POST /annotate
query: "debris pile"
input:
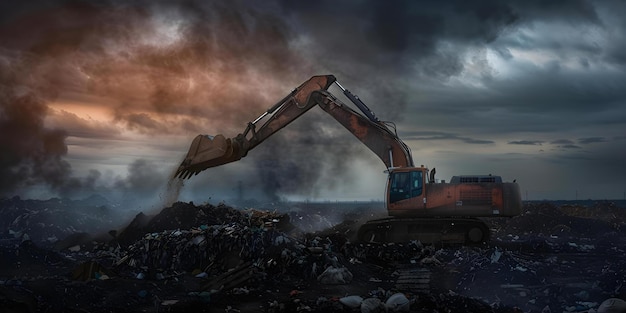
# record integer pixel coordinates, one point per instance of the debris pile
(547, 220)
(50, 221)
(534, 280)
(208, 251)
(187, 215)
(203, 257)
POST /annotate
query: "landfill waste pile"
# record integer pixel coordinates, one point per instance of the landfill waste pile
(206, 258)
(56, 222)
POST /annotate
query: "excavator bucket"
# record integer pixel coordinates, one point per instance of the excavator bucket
(209, 151)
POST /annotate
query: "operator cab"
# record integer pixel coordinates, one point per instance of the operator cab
(406, 184)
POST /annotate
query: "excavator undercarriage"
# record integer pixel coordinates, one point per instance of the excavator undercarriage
(451, 230)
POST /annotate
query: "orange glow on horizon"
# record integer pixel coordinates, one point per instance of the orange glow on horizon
(84, 111)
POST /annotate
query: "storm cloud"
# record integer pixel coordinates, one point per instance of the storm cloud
(526, 142)
(156, 68)
(92, 88)
(431, 135)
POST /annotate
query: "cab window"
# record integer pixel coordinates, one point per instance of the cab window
(405, 185)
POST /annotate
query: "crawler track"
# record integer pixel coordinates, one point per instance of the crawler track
(469, 231)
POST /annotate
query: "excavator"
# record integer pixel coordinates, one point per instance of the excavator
(419, 207)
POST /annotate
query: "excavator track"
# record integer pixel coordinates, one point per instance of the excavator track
(467, 231)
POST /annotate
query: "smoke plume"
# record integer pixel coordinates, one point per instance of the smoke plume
(32, 154)
(161, 68)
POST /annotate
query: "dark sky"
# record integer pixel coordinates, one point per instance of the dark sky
(105, 96)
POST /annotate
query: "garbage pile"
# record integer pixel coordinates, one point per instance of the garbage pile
(206, 258)
(187, 215)
(49, 221)
(211, 249)
(564, 258)
(533, 281)
(546, 220)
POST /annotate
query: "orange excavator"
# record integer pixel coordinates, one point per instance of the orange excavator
(419, 207)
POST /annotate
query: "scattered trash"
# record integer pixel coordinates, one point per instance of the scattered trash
(90, 270)
(612, 305)
(543, 261)
(398, 302)
(204, 295)
(371, 305)
(335, 276)
(202, 275)
(294, 293)
(495, 256)
(240, 291)
(352, 302)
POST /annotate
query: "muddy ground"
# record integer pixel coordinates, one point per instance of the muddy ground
(206, 258)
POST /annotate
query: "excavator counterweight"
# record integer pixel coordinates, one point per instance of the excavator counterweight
(420, 208)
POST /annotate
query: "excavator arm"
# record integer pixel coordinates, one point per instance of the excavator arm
(381, 140)
(210, 151)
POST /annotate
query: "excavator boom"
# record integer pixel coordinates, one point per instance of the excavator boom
(210, 151)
